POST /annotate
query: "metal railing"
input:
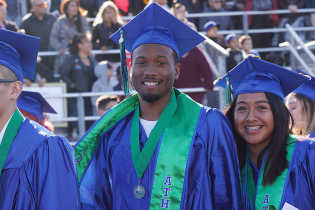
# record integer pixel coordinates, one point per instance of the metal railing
(291, 46)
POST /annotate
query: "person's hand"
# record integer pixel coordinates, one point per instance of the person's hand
(27, 82)
(72, 86)
(42, 82)
(62, 51)
(104, 48)
(293, 8)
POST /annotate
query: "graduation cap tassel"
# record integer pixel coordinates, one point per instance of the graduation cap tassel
(123, 65)
(228, 91)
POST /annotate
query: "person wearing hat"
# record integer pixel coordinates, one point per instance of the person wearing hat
(211, 28)
(277, 169)
(37, 169)
(301, 104)
(32, 105)
(158, 148)
(235, 55)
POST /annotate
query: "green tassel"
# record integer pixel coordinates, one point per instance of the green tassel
(123, 65)
(228, 91)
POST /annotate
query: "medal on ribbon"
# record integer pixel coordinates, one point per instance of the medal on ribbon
(142, 159)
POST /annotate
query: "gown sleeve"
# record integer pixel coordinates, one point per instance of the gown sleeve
(223, 166)
(48, 178)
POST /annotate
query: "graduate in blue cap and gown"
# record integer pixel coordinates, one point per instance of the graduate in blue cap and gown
(277, 169)
(301, 104)
(33, 105)
(37, 168)
(158, 149)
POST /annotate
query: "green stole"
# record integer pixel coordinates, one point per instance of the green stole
(9, 135)
(268, 197)
(172, 159)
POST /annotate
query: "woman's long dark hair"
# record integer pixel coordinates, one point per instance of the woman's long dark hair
(74, 49)
(276, 158)
(63, 8)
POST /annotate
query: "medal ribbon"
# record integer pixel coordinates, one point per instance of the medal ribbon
(269, 195)
(142, 159)
(9, 135)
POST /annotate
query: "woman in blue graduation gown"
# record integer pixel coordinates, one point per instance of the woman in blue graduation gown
(301, 104)
(277, 169)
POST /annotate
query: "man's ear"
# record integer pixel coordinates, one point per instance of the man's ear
(177, 70)
(16, 89)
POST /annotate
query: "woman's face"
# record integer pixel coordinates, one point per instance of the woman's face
(253, 118)
(296, 109)
(72, 9)
(109, 15)
(85, 46)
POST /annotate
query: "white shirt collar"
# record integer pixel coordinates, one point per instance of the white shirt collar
(3, 129)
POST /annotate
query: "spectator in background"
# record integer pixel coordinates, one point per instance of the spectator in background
(106, 23)
(192, 6)
(246, 44)
(294, 19)
(211, 28)
(68, 25)
(212, 54)
(91, 6)
(216, 6)
(179, 11)
(262, 40)
(5, 24)
(77, 72)
(123, 6)
(43, 74)
(39, 23)
(235, 55)
(105, 103)
(103, 72)
(135, 7)
(162, 3)
(235, 5)
(195, 72)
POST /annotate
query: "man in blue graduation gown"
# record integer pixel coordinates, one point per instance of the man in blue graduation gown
(37, 168)
(158, 149)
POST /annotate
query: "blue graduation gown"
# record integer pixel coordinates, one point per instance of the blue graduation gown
(39, 172)
(212, 179)
(312, 135)
(299, 187)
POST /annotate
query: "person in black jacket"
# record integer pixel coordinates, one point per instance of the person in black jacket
(107, 22)
(39, 23)
(77, 72)
(5, 24)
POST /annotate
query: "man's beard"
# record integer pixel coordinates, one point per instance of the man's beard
(150, 97)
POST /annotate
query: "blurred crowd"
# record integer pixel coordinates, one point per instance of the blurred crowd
(63, 26)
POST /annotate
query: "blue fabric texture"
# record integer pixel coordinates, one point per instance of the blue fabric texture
(254, 75)
(154, 25)
(308, 88)
(34, 103)
(19, 52)
(39, 172)
(299, 188)
(212, 180)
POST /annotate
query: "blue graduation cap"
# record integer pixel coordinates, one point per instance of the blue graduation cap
(19, 52)
(210, 25)
(254, 75)
(35, 104)
(154, 25)
(229, 37)
(308, 88)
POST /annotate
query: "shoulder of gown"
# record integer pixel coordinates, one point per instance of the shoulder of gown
(39, 171)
